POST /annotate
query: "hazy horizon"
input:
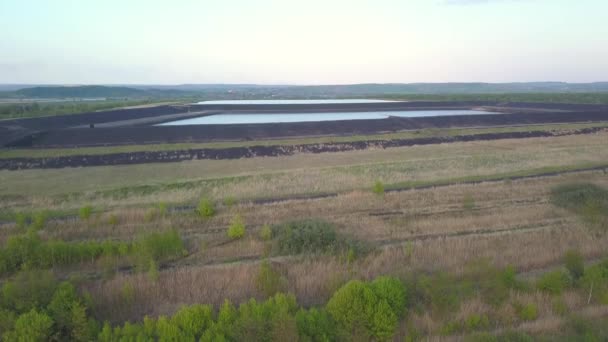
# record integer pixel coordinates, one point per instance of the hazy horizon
(302, 43)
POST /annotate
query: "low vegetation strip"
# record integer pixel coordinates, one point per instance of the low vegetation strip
(260, 151)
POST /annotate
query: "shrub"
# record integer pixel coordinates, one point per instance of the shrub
(113, 220)
(266, 233)
(553, 282)
(392, 291)
(352, 306)
(39, 220)
(358, 310)
(28, 290)
(441, 292)
(162, 209)
(22, 220)
(236, 230)
(193, 320)
(574, 264)
(32, 326)
(69, 314)
(153, 270)
(493, 283)
(378, 188)
(476, 322)
(85, 212)
(268, 281)
(229, 201)
(559, 306)
(468, 202)
(158, 247)
(303, 236)
(127, 293)
(528, 312)
(315, 325)
(589, 201)
(205, 208)
(595, 282)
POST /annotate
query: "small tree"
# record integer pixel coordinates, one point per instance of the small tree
(85, 212)
(269, 281)
(378, 188)
(206, 208)
(574, 264)
(31, 326)
(229, 201)
(162, 209)
(266, 233)
(468, 203)
(236, 230)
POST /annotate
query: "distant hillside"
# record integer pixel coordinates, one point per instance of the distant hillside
(80, 92)
(252, 91)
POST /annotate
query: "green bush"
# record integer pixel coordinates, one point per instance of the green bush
(553, 282)
(30, 251)
(315, 325)
(266, 233)
(528, 312)
(32, 326)
(113, 220)
(359, 311)
(476, 322)
(305, 236)
(85, 212)
(158, 247)
(595, 282)
(229, 201)
(378, 188)
(39, 220)
(468, 202)
(392, 291)
(589, 201)
(559, 306)
(206, 208)
(494, 284)
(269, 281)
(69, 314)
(28, 290)
(162, 209)
(22, 220)
(574, 264)
(236, 230)
(193, 320)
(441, 292)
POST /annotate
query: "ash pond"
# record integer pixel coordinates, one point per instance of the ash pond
(265, 118)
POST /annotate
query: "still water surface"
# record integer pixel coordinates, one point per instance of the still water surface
(255, 102)
(253, 118)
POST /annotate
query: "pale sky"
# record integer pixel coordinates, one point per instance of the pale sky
(302, 42)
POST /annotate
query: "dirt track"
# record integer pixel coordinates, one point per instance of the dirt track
(254, 151)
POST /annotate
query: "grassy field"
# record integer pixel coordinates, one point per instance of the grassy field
(476, 259)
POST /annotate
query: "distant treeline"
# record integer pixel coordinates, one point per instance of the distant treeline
(35, 109)
(579, 98)
(250, 91)
(122, 96)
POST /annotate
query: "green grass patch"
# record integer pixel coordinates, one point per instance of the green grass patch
(589, 201)
(313, 236)
(547, 170)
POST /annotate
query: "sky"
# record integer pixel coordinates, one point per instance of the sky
(302, 42)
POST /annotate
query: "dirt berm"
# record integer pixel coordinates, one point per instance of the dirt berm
(255, 151)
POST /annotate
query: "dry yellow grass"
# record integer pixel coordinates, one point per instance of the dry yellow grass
(305, 173)
(426, 230)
